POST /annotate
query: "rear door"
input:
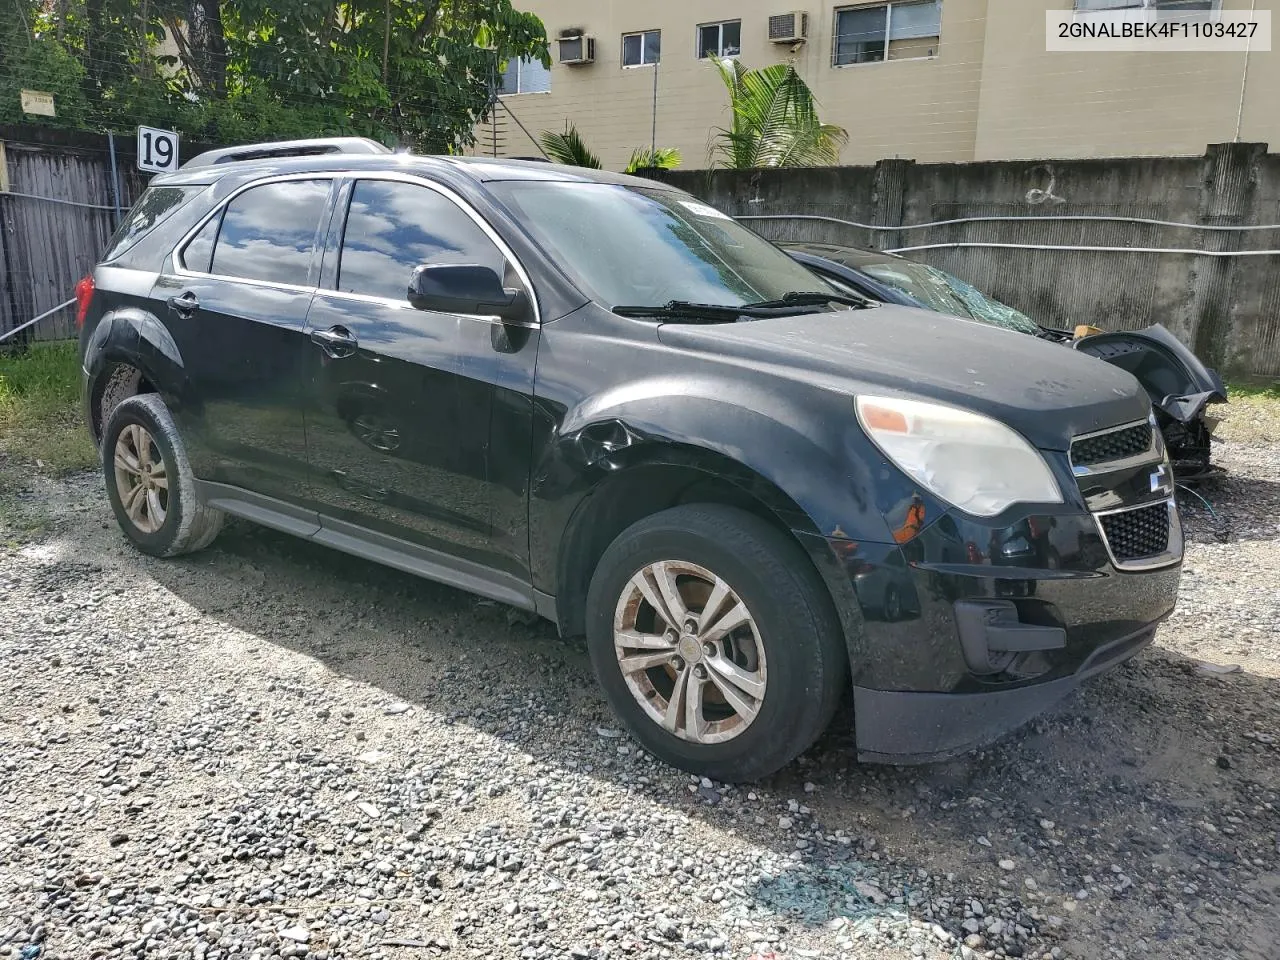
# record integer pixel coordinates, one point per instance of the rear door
(402, 401)
(236, 303)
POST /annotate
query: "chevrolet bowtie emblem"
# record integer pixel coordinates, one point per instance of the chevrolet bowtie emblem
(1161, 481)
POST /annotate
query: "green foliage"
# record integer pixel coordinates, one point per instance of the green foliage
(37, 62)
(1254, 391)
(775, 121)
(569, 148)
(644, 158)
(40, 417)
(407, 72)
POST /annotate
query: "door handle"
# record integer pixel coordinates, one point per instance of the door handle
(185, 306)
(337, 342)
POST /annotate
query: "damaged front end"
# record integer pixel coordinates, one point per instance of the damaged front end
(1180, 386)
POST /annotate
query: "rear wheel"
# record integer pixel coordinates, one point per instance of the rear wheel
(715, 641)
(149, 481)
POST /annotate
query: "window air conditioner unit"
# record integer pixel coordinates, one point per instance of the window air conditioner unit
(576, 47)
(790, 27)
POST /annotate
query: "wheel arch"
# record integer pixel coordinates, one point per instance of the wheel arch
(659, 475)
(129, 353)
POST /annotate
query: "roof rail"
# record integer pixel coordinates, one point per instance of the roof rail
(286, 148)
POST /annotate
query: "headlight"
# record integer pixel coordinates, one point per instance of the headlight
(971, 461)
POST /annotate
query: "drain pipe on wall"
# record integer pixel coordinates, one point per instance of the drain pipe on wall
(1244, 76)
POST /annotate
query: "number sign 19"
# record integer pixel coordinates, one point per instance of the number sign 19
(157, 150)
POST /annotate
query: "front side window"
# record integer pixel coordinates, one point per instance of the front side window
(269, 232)
(641, 49)
(644, 247)
(720, 39)
(887, 31)
(394, 227)
(524, 75)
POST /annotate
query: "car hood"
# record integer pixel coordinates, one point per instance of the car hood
(1046, 392)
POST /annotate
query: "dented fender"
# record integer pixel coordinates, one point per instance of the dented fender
(819, 459)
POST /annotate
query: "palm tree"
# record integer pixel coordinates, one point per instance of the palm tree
(775, 120)
(663, 158)
(569, 148)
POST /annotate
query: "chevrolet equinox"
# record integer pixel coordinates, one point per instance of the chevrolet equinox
(599, 399)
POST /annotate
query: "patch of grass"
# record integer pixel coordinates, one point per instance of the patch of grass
(1254, 391)
(40, 419)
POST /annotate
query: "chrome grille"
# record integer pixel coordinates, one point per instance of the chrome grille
(1113, 445)
(1137, 534)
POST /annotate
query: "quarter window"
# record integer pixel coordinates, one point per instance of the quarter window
(721, 39)
(394, 227)
(641, 49)
(269, 232)
(150, 211)
(887, 31)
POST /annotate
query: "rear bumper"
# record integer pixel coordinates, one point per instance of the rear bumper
(906, 727)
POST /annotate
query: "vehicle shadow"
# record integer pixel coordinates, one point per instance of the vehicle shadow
(1111, 789)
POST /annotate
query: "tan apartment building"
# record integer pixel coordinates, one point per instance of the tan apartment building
(930, 80)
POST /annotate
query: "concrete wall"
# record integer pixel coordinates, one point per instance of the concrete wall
(990, 92)
(1226, 308)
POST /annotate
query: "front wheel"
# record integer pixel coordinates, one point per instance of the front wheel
(715, 641)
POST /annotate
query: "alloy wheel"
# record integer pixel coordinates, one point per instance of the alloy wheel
(690, 652)
(141, 479)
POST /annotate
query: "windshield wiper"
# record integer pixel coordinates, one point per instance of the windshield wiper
(709, 312)
(814, 298)
(788, 306)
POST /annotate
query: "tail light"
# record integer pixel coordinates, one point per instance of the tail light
(84, 296)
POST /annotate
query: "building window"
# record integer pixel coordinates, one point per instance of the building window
(887, 31)
(721, 39)
(641, 49)
(1173, 6)
(525, 76)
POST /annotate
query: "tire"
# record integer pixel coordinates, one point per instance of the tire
(166, 521)
(790, 649)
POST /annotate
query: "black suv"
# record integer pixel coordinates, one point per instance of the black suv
(597, 398)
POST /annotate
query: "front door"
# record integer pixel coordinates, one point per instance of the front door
(402, 400)
(236, 306)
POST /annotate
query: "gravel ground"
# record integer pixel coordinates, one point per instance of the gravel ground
(269, 749)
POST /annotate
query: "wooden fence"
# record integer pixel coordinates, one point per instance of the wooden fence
(59, 204)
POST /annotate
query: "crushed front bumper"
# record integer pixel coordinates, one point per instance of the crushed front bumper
(911, 727)
(971, 629)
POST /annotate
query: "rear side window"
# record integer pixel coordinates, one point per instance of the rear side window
(269, 233)
(155, 206)
(394, 227)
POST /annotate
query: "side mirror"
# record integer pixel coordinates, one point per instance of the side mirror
(465, 289)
